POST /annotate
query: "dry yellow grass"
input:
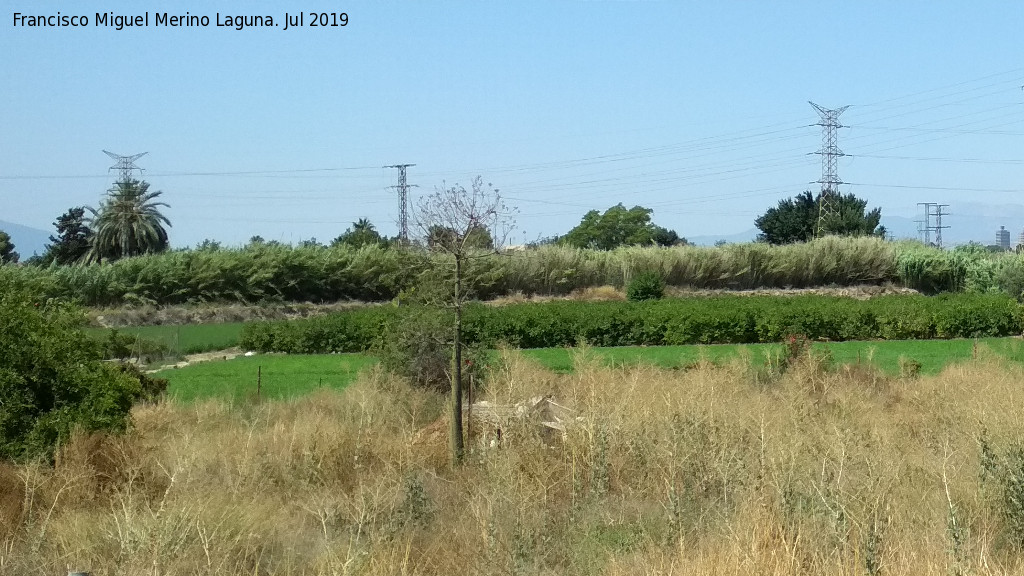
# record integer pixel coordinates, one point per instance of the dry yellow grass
(703, 471)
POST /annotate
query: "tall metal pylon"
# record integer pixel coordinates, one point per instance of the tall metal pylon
(125, 165)
(925, 227)
(938, 223)
(403, 202)
(828, 204)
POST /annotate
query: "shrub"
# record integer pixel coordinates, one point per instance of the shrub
(1008, 472)
(645, 286)
(119, 346)
(52, 377)
(1010, 277)
(909, 368)
(418, 346)
(152, 388)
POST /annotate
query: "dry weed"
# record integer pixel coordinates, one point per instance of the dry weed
(704, 471)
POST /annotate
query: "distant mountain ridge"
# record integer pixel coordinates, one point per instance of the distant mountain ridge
(27, 240)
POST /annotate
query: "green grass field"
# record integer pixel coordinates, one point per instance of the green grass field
(183, 339)
(932, 354)
(280, 376)
(293, 375)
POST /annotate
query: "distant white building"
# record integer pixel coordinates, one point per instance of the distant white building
(1003, 238)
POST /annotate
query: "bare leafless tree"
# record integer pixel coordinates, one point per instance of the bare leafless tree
(453, 221)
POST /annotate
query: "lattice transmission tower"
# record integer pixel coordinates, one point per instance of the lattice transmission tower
(932, 222)
(403, 202)
(828, 203)
(125, 165)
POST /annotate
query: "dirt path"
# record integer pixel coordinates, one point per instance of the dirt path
(228, 354)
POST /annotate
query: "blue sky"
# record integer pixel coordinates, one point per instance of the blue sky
(697, 110)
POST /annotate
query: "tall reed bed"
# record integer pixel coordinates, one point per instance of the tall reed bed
(318, 274)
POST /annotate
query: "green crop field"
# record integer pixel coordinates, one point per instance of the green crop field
(285, 376)
(279, 376)
(884, 354)
(183, 339)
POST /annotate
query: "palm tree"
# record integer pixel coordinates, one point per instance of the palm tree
(128, 223)
(360, 233)
(363, 225)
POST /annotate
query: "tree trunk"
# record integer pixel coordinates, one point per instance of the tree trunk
(455, 440)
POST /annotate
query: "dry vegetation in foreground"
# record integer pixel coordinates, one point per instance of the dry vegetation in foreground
(710, 470)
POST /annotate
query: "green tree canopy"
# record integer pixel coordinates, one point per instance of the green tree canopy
(360, 233)
(128, 223)
(478, 238)
(72, 241)
(52, 377)
(208, 245)
(795, 219)
(7, 253)
(619, 227)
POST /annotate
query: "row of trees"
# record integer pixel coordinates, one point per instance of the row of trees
(792, 220)
(127, 222)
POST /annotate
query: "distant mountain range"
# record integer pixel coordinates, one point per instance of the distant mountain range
(27, 241)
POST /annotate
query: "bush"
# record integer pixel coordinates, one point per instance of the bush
(418, 346)
(645, 286)
(119, 346)
(52, 377)
(1010, 277)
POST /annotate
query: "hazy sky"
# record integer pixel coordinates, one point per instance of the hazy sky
(695, 109)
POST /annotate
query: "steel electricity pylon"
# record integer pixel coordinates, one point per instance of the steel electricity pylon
(403, 202)
(828, 202)
(125, 165)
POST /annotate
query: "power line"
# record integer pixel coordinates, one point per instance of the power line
(175, 174)
(944, 188)
(936, 159)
